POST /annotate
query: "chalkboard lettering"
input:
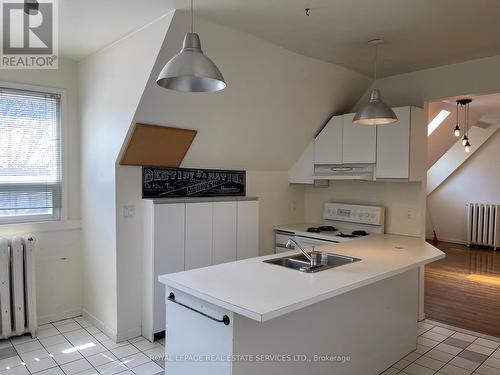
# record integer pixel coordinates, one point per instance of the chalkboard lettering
(184, 182)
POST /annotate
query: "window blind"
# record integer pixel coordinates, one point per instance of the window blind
(30, 154)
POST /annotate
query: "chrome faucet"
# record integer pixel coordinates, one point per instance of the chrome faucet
(289, 245)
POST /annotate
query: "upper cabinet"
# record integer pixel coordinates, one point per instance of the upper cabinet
(303, 170)
(328, 143)
(359, 142)
(402, 146)
(342, 142)
(395, 151)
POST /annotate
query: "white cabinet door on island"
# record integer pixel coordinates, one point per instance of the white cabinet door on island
(250, 317)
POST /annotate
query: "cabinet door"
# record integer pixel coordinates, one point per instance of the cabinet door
(328, 143)
(198, 235)
(303, 169)
(393, 147)
(168, 253)
(247, 230)
(224, 232)
(359, 142)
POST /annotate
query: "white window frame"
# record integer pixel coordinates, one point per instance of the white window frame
(59, 214)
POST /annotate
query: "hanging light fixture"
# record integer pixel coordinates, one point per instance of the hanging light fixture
(465, 139)
(191, 70)
(375, 112)
(456, 131)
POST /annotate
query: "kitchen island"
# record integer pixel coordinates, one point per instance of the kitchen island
(251, 317)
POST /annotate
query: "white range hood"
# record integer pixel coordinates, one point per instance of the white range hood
(363, 172)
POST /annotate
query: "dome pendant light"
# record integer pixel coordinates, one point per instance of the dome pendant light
(456, 131)
(375, 112)
(191, 70)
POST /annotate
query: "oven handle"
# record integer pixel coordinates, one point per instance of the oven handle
(314, 241)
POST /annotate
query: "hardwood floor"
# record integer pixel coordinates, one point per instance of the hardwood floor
(464, 288)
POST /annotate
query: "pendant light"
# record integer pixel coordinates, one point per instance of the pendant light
(375, 112)
(456, 131)
(191, 70)
(465, 139)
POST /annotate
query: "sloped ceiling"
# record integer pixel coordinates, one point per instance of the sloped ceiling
(420, 34)
(274, 103)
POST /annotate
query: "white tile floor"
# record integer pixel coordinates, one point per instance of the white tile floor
(75, 346)
(443, 349)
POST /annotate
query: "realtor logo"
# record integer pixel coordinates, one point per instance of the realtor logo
(29, 34)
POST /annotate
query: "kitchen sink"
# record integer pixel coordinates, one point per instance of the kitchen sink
(321, 261)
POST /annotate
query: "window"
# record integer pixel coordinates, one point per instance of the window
(436, 121)
(30, 156)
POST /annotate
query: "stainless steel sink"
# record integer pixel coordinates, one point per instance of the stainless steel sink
(321, 261)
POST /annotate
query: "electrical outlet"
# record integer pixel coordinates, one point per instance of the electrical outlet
(128, 211)
(410, 213)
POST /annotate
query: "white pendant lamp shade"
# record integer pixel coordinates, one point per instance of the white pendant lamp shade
(375, 112)
(191, 70)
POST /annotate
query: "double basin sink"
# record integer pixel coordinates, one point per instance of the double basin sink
(321, 261)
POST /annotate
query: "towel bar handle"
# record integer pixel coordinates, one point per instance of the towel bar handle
(225, 318)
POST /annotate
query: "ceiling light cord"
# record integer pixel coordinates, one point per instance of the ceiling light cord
(192, 17)
(375, 65)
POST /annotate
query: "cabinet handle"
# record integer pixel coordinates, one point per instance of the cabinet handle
(225, 318)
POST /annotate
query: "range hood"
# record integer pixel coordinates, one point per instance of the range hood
(363, 172)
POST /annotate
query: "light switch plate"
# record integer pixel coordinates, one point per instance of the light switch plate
(128, 211)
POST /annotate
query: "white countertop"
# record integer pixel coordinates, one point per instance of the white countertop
(262, 291)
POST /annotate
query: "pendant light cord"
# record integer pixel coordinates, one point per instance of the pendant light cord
(192, 18)
(375, 65)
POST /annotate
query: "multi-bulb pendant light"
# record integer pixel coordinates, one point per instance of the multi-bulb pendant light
(191, 70)
(375, 112)
(465, 139)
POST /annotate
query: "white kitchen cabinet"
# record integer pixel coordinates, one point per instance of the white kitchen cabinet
(328, 143)
(342, 142)
(183, 235)
(303, 169)
(165, 254)
(402, 146)
(359, 142)
(198, 247)
(247, 230)
(224, 232)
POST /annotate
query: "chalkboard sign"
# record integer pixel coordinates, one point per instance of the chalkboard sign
(184, 182)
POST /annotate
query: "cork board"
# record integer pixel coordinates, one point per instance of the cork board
(157, 146)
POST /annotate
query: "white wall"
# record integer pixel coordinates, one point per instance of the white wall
(111, 83)
(477, 180)
(397, 197)
(274, 103)
(57, 249)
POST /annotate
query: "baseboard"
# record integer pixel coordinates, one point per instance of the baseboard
(59, 316)
(111, 333)
(129, 334)
(451, 240)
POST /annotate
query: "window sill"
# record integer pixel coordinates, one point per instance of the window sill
(42, 226)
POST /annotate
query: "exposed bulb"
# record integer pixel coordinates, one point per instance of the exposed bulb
(465, 139)
(467, 147)
(456, 131)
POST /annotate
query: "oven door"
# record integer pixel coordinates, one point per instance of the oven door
(308, 242)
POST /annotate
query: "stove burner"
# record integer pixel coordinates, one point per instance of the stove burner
(347, 235)
(327, 228)
(313, 230)
(360, 233)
